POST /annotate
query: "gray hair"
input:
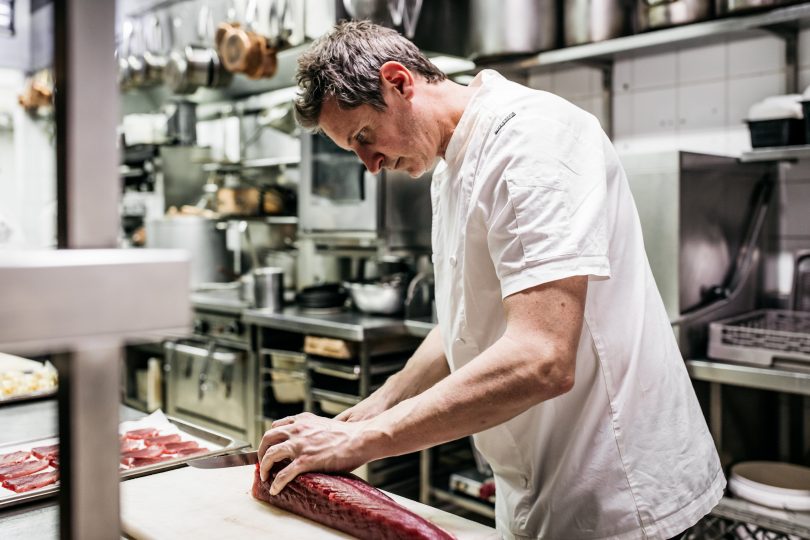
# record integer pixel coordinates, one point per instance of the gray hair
(345, 64)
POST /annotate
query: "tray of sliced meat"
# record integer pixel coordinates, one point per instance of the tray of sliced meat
(29, 470)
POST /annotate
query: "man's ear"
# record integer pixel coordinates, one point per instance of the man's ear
(396, 77)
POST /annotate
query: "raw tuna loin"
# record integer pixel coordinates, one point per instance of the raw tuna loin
(347, 503)
(34, 481)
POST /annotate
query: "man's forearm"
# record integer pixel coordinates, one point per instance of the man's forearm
(499, 384)
(425, 368)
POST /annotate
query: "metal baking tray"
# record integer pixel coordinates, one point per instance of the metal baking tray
(31, 396)
(227, 443)
(759, 337)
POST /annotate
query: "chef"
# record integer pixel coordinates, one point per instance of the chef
(553, 346)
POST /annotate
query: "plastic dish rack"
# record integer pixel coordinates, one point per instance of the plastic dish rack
(760, 336)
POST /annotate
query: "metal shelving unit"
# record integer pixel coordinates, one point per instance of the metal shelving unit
(773, 21)
(778, 153)
(736, 512)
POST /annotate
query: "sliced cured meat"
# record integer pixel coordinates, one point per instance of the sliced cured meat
(144, 433)
(143, 462)
(174, 447)
(31, 482)
(44, 452)
(54, 462)
(129, 445)
(22, 469)
(185, 452)
(348, 504)
(162, 439)
(148, 452)
(14, 457)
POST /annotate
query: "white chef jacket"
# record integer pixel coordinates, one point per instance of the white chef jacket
(531, 191)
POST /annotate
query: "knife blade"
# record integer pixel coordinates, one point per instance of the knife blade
(228, 460)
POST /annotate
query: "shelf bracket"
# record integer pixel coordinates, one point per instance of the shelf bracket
(789, 33)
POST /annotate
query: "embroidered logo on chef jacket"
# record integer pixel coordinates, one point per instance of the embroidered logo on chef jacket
(504, 121)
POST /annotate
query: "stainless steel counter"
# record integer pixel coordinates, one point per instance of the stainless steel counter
(420, 327)
(348, 325)
(221, 301)
(28, 421)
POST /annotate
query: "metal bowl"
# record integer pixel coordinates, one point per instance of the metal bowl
(383, 298)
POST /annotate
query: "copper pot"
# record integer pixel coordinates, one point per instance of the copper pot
(243, 51)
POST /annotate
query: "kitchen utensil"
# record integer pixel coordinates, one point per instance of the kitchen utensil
(228, 460)
(512, 27)
(661, 13)
(761, 336)
(154, 55)
(182, 123)
(778, 485)
(203, 238)
(587, 21)
(211, 504)
(801, 281)
(269, 288)
(384, 297)
(324, 296)
(196, 65)
(245, 51)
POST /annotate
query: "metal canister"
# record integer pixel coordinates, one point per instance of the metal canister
(268, 292)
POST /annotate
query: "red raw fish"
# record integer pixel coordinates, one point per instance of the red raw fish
(14, 457)
(162, 440)
(347, 503)
(174, 447)
(142, 462)
(144, 433)
(31, 482)
(22, 469)
(148, 452)
(44, 452)
(183, 452)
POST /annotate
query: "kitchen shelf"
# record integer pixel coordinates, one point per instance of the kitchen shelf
(777, 153)
(607, 50)
(777, 379)
(260, 163)
(783, 521)
(463, 502)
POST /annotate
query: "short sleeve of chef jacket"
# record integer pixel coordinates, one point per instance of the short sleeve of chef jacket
(544, 199)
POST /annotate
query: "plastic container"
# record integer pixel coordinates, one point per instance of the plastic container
(777, 121)
(778, 485)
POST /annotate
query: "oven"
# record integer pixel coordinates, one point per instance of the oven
(211, 375)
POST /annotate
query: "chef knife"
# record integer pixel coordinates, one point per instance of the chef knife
(228, 460)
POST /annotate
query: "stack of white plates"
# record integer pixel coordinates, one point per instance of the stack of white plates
(774, 484)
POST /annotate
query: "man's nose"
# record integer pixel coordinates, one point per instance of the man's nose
(372, 160)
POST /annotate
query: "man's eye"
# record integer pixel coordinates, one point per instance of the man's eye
(361, 138)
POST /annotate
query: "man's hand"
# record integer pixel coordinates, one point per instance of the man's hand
(366, 409)
(313, 443)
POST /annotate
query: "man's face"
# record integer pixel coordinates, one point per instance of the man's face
(395, 138)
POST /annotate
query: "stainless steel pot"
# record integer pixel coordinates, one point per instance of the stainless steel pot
(203, 238)
(385, 297)
(661, 13)
(512, 27)
(587, 21)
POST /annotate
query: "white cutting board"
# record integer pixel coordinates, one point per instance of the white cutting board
(217, 504)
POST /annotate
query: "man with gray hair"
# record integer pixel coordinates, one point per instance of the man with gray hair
(553, 347)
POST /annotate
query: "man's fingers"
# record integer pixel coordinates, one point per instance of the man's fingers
(272, 436)
(287, 420)
(285, 476)
(273, 455)
(345, 415)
